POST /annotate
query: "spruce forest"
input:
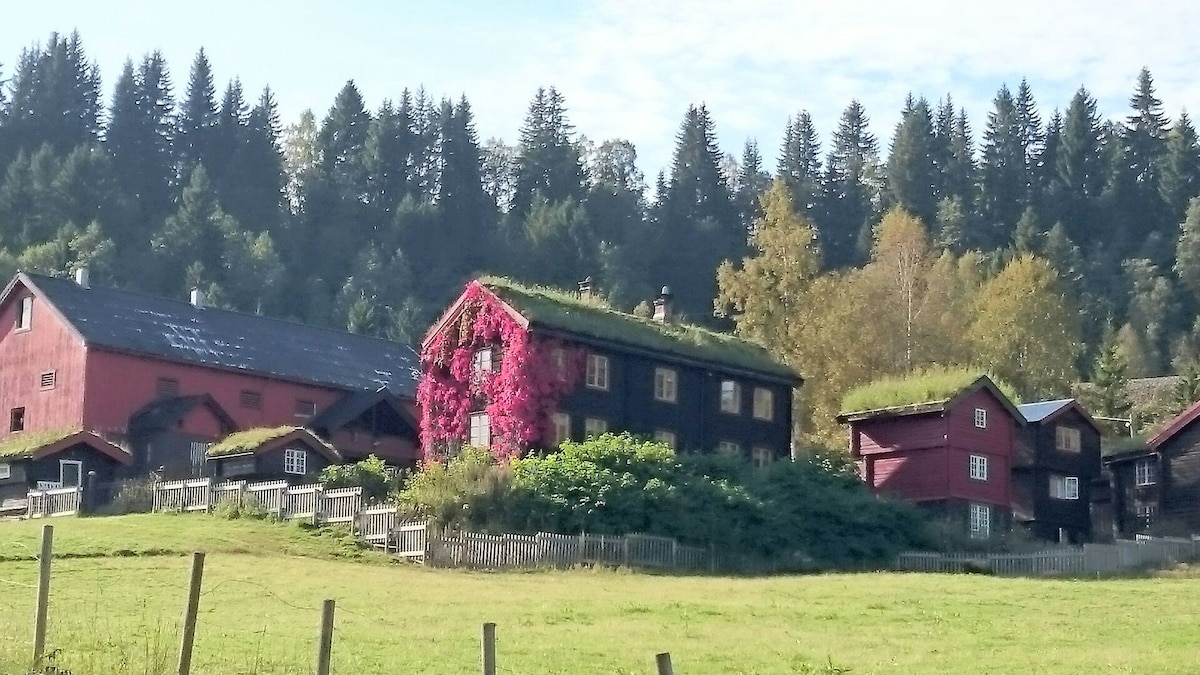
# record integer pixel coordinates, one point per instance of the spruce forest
(1057, 244)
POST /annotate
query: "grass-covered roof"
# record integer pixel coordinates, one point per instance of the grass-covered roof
(931, 385)
(24, 444)
(594, 318)
(248, 440)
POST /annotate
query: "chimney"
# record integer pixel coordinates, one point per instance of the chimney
(585, 288)
(663, 312)
(197, 298)
(82, 278)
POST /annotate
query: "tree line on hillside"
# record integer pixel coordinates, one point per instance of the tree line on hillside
(370, 219)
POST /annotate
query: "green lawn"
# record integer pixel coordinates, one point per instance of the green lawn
(264, 585)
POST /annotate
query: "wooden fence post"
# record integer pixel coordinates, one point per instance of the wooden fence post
(663, 661)
(189, 614)
(43, 596)
(325, 644)
(489, 649)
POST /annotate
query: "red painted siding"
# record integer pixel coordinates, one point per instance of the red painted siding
(900, 434)
(48, 345)
(201, 421)
(917, 476)
(119, 384)
(994, 442)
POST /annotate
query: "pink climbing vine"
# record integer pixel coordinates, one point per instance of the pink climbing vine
(520, 393)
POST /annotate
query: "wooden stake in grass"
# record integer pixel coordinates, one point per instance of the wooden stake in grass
(43, 596)
(189, 614)
(489, 649)
(663, 661)
(325, 644)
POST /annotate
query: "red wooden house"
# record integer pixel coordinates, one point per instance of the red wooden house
(953, 455)
(165, 378)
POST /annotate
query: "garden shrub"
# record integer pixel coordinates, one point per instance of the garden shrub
(371, 474)
(134, 495)
(464, 491)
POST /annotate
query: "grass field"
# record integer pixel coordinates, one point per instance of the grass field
(116, 603)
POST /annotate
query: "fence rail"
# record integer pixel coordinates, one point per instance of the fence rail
(1120, 556)
(290, 502)
(63, 501)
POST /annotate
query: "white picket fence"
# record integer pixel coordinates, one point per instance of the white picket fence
(545, 549)
(313, 503)
(1086, 559)
(63, 501)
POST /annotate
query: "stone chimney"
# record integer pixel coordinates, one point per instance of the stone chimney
(197, 298)
(586, 289)
(82, 278)
(663, 311)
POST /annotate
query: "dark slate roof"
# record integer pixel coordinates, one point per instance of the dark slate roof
(354, 404)
(175, 330)
(1040, 410)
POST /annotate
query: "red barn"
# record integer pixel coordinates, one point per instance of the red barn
(165, 378)
(953, 455)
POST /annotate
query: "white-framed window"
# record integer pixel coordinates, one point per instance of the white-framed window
(597, 372)
(731, 397)
(1145, 471)
(980, 418)
(666, 385)
(481, 361)
(5, 471)
(666, 437)
(764, 404)
(25, 313)
(1064, 487)
(762, 457)
(729, 448)
(295, 461)
(480, 434)
(1146, 512)
(1067, 439)
(48, 379)
(562, 428)
(70, 472)
(979, 467)
(981, 521)
(594, 426)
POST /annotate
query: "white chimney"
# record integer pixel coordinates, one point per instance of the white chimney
(81, 278)
(197, 298)
(663, 312)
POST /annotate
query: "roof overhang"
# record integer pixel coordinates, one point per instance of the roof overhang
(298, 435)
(87, 438)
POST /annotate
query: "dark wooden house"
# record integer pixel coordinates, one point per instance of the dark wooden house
(1156, 488)
(294, 454)
(1056, 465)
(953, 456)
(52, 459)
(517, 368)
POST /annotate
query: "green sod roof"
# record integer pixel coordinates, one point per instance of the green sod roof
(248, 440)
(24, 444)
(934, 385)
(559, 310)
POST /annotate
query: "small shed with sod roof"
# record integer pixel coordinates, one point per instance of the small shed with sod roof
(277, 453)
(59, 458)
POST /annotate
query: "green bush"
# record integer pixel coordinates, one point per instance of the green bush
(371, 474)
(134, 495)
(464, 492)
(248, 507)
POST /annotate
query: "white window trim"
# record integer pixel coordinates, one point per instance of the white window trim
(729, 448)
(762, 457)
(25, 313)
(666, 385)
(735, 399)
(1064, 488)
(62, 474)
(767, 414)
(295, 461)
(483, 424)
(5, 471)
(561, 424)
(1061, 433)
(979, 468)
(595, 426)
(597, 372)
(481, 361)
(981, 521)
(668, 437)
(1145, 472)
(980, 418)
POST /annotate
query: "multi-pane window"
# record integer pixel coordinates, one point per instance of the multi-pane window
(979, 466)
(666, 385)
(980, 418)
(1146, 513)
(25, 313)
(981, 521)
(295, 461)
(48, 379)
(166, 387)
(594, 426)
(480, 433)
(729, 448)
(1145, 472)
(665, 437)
(250, 399)
(762, 456)
(597, 371)
(305, 409)
(764, 404)
(1064, 487)
(5, 471)
(481, 362)
(562, 428)
(16, 419)
(731, 397)
(1067, 439)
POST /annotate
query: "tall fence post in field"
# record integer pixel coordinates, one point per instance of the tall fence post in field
(325, 644)
(43, 596)
(663, 661)
(489, 649)
(189, 615)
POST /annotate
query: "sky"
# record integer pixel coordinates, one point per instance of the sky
(630, 68)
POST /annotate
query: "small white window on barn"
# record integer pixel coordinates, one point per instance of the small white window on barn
(25, 313)
(594, 426)
(1064, 487)
(666, 385)
(48, 379)
(1067, 439)
(295, 461)
(764, 404)
(979, 467)
(980, 418)
(481, 362)
(1145, 472)
(562, 429)
(731, 397)
(981, 521)
(5, 471)
(597, 372)
(665, 437)
(762, 457)
(480, 433)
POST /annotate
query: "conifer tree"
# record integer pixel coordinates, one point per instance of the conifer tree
(800, 162)
(1181, 168)
(1001, 173)
(197, 117)
(912, 164)
(54, 98)
(1145, 136)
(852, 188)
(752, 179)
(548, 161)
(1109, 376)
(1079, 172)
